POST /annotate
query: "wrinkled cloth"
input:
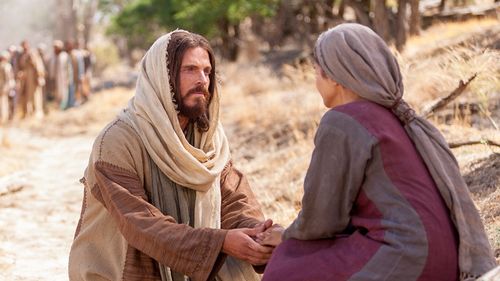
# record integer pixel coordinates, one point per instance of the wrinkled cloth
(370, 209)
(195, 164)
(357, 58)
(121, 235)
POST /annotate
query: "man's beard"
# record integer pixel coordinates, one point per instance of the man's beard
(193, 112)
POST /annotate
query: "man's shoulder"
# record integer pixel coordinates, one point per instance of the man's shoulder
(118, 146)
(115, 129)
(116, 138)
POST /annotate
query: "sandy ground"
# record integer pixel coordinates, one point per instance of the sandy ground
(37, 223)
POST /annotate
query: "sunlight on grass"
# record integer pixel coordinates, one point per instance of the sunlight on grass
(444, 31)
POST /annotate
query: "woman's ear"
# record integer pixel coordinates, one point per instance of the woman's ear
(323, 74)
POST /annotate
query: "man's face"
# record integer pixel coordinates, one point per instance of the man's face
(25, 46)
(194, 81)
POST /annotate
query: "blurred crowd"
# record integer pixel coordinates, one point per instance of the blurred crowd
(32, 81)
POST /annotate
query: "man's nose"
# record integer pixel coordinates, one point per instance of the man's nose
(203, 78)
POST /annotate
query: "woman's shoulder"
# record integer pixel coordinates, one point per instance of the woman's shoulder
(343, 125)
(343, 117)
(371, 116)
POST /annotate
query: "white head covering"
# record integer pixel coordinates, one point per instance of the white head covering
(152, 114)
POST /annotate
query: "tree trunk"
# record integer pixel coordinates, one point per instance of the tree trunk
(314, 14)
(235, 50)
(66, 21)
(442, 5)
(229, 38)
(361, 11)
(327, 6)
(380, 20)
(90, 11)
(314, 21)
(401, 25)
(414, 18)
(73, 21)
(341, 9)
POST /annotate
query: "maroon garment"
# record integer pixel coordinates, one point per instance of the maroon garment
(371, 210)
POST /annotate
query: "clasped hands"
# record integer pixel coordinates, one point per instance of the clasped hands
(253, 245)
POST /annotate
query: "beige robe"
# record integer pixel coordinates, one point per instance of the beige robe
(31, 79)
(7, 83)
(77, 63)
(61, 73)
(120, 233)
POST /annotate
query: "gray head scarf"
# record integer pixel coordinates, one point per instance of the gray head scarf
(357, 58)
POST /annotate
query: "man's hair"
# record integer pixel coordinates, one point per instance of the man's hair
(179, 43)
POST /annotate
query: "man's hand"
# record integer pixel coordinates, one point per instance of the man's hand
(239, 243)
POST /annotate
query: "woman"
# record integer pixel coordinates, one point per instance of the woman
(383, 195)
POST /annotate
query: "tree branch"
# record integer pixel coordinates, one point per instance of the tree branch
(446, 100)
(472, 142)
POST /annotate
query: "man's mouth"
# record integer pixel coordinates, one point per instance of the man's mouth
(198, 91)
(197, 94)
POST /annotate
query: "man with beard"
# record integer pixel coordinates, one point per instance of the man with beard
(31, 76)
(60, 75)
(162, 198)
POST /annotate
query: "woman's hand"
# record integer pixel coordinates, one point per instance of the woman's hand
(270, 237)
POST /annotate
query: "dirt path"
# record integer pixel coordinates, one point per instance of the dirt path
(37, 223)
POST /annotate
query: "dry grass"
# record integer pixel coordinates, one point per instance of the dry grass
(271, 121)
(435, 36)
(87, 119)
(436, 70)
(270, 124)
(13, 154)
(429, 79)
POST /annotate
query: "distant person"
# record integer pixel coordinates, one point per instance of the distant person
(383, 195)
(163, 200)
(7, 84)
(31, 76)
(61, 75)
(73, 82)
(78, 68)
(44, 59)
(50, 74)
(14, 54)
(89, 61)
